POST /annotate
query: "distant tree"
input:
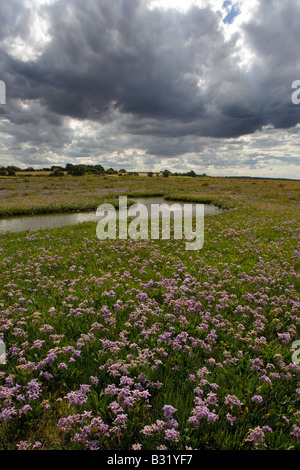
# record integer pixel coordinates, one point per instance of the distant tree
(12, 167)
(166, 173)
(56, 167)
(123, 171)
(77, 170)
(99, 169)
(3, 172)
(10, 172)
(110, 171)
(94, 169)
(68, 167)
(57, 172)
(191, 173)
(150, 173)
(30, 168)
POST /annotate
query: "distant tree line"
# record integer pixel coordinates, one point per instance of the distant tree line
(191, 173)
(82, 169)
(8, 171)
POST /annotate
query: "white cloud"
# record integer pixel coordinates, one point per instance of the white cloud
(30, 47)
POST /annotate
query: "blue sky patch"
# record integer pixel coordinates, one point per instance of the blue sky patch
(232, 11)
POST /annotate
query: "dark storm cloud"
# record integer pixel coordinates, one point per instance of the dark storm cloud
(155, 73)
(273, 34)
(15, 19)
(122, 56)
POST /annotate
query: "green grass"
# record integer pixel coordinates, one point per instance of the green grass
(246, 278)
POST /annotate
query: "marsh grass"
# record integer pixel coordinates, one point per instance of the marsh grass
(165, 315)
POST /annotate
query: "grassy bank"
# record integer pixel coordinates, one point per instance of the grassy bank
(36, 195)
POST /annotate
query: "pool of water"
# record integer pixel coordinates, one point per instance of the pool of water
(41, 221)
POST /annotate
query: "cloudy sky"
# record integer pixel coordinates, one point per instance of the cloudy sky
(152, 84)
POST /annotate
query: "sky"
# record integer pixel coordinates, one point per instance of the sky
(145, 85)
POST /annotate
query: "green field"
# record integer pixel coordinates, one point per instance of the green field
(126, 344)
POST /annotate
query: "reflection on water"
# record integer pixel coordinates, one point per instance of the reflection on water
(38, 222)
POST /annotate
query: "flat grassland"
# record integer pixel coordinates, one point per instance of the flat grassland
(122, 344)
